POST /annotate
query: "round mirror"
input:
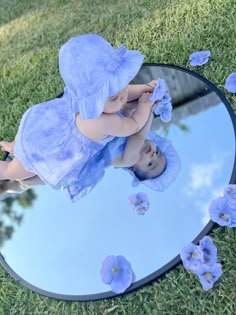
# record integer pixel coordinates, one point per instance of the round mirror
(57, 248)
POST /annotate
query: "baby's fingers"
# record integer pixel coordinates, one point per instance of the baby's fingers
(145, 99)
(152, 83)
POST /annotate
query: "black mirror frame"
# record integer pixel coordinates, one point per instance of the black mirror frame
(170, 265)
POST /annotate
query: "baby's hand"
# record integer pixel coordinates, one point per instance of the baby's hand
(145, 100)
(149, 87)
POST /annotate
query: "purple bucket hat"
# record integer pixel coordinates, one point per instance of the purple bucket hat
(171, 171)
(93, 70)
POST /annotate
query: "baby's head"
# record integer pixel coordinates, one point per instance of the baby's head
(158, 165)
(96, 75)
(152, 162)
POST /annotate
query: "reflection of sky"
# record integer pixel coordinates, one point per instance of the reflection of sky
(60, 246)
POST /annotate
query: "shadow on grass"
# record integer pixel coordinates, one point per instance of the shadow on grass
(14, 9)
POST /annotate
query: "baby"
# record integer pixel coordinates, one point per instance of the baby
(157, 164)
(56, 139)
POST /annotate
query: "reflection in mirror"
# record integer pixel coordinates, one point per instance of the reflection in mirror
(58, 246)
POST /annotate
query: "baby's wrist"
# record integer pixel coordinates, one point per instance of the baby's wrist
(146, 103)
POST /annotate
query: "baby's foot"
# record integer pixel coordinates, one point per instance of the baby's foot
(7, 146)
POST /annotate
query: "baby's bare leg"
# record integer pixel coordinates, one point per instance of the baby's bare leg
(7, 146)
(14, 170)
(21, 185)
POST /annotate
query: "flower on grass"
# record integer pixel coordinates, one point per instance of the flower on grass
(202, 261)
(230, 194)
(159, 91)
(209, 250)
(221, 213)
(116, 271)
(209, 274)
(192, 257)
(199, 58)
(230, 83)
(140, 202)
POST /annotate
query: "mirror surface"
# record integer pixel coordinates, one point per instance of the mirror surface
(59, 247)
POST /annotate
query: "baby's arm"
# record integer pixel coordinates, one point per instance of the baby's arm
(117, 126)
(128, 108)
(135, 91)
(133, 146)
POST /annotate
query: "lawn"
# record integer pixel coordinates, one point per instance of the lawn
(31, 33)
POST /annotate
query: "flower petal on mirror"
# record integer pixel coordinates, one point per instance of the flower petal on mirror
(117, 272)
(221, 213)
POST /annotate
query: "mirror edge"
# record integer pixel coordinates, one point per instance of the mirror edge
(171, 264)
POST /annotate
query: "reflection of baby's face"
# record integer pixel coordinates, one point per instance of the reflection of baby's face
(114, 103)
(152, 162)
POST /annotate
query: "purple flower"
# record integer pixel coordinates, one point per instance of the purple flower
(159, 91)
(164, 110)
(199, 58)
(140, 202)
(230, 194)
(221, 213)
(116, 271)
(141, 209)
(208, 275)
(192, 257)
(209, 250)
(232, 205)
(230, 83)
(166, 98)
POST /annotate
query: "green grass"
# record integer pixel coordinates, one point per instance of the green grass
(31, 33)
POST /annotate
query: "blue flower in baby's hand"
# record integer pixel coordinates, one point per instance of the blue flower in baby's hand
(140, 202)
(162, 97)
(166, 98)
(208, 275)
(116, 271)
(209, 250)
(221, 213)
(159, 91)
(230, 194)
(164, 110)
(230, 83)
(199, 58)
(192, 257)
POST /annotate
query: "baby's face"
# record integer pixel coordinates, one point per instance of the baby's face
(114, 103)
(151, 162)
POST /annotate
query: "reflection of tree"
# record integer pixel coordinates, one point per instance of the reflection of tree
(12, 212)
(165, 128)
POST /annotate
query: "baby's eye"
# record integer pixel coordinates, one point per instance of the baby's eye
(150, 164)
